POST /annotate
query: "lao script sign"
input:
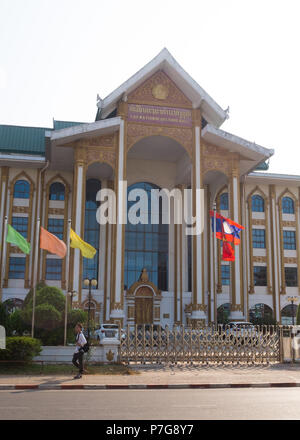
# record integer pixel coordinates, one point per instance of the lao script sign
(159, 115)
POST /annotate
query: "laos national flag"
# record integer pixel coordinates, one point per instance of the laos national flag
(226, 229)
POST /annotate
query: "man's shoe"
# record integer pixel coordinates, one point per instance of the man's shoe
(78, 376)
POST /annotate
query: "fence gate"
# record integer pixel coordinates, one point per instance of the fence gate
(222, 344)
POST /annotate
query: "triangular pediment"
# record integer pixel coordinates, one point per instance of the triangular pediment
(159, 90)
(188, 91)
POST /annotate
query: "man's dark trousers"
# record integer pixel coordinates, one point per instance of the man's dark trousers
(78, 360)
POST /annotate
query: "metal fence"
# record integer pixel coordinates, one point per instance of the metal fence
(210, 344)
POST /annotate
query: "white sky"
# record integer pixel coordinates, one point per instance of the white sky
(56, 55)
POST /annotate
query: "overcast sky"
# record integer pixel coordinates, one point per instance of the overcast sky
(56, 55)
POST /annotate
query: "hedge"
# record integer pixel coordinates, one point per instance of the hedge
(21, 348)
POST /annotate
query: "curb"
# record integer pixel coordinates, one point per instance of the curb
(149, 387)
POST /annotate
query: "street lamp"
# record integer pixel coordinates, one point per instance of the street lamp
(89, 283)
(292, 300)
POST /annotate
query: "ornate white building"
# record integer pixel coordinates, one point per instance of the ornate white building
(159, 129)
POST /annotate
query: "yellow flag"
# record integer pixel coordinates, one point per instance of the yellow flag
(87, 250)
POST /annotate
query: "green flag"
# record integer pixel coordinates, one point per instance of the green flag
(16, 238)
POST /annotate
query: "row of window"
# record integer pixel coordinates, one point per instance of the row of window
(54, 272)
(258, 204)
(259, 239)
(22, 190)
(260, 276)
(17, 268)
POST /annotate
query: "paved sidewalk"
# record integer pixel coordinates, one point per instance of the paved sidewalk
(168, 376)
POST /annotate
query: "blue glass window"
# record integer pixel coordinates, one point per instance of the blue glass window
(17, 268)
(91, 228)
(259, 238)
(21, 189)
(289, 239)
(224, 202)
(225, 274)
(56, 227)
(20, 224)
(260, 275)
(53, 269)
(288, 205)
(146, 246)
(57, 191)
(258, 204)
(291, 276)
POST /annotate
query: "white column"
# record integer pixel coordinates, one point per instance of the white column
(198, 304)
(79, 208)
(102, 247)
(276, 266)
(117, 311)
(236, 314)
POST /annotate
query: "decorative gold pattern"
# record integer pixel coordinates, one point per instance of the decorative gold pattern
(110, 356)
(136, 132)
(159, 90)
(20, 209)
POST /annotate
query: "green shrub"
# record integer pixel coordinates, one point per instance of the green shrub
(20, 348)
(16, 323)
(76, 315)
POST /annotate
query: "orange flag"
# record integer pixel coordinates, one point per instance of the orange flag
(52, 244)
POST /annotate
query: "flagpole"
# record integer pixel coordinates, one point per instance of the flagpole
(4, 245)
(215, 259)
(35, 274)
(67, 280)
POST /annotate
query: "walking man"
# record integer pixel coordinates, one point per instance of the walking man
(79, 352)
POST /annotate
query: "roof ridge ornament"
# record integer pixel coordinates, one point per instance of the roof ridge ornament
(227, 112)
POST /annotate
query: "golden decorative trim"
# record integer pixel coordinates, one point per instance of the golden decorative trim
(20, 209)
(290, 260)
(258, 222)
(259, 259)
(159, 89)
(24, 176)
(56, 211)
(282, 195)
(136, 132)
(288, 224)
(199, 307)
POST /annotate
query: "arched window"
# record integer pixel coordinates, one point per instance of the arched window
(22, 189)
(224, 202)
(288, 313)
(260, 313)
(57, 191)
(91, 228)
(258, 204)
(223, 313)
(146, 245)
(288, 205)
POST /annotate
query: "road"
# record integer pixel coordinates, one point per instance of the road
(241, 404)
